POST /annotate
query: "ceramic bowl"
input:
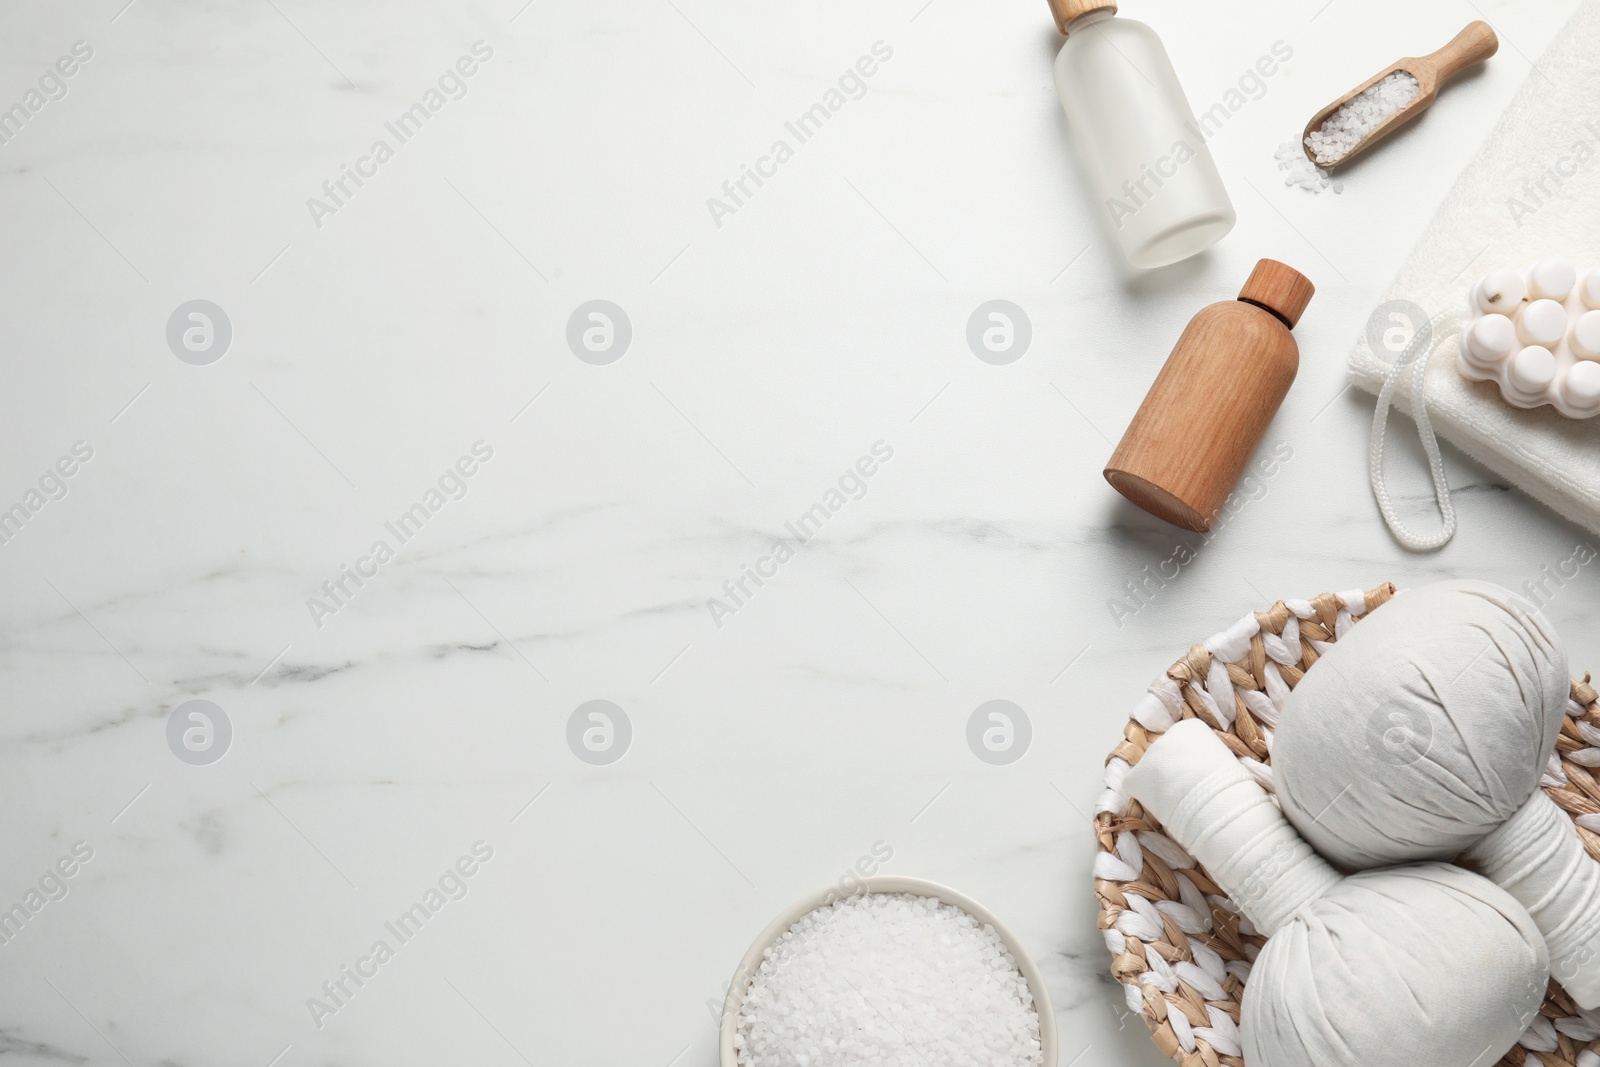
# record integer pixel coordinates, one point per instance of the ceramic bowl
(886, 884)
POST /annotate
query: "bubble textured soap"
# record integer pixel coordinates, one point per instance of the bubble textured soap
(1536, 334)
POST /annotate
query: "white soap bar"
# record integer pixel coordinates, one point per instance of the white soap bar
(1536, 334)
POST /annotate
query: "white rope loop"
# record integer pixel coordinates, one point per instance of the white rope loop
(1416, 354)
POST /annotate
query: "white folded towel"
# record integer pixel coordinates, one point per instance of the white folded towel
(1532, 193)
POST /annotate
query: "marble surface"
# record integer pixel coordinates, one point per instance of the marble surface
(382, 732)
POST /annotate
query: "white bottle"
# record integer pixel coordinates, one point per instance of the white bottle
(1133, 127)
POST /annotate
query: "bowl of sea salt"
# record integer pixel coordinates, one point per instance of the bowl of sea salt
(906, 973)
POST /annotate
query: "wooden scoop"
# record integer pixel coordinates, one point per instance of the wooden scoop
(1472, 45)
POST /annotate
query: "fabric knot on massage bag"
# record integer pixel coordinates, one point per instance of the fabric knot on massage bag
(1424, 964)
(1422, 735)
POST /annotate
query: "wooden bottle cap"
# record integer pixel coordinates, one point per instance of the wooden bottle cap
(1280, 288)
(1067, 10)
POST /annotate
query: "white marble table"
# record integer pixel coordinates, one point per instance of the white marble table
(383, 731)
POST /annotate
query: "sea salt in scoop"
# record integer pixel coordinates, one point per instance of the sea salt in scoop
(1341, 131)
(888, 978)
(1363, 117)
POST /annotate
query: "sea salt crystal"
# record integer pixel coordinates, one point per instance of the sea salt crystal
(1302, 172)
(1343, 130)
(891, 979)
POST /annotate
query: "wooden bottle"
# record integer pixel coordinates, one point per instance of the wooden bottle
(1211, 404)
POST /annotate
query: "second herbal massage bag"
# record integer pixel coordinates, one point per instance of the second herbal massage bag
(1422, 734)
(1425, 965)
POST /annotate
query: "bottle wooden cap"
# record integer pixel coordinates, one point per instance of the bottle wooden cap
(1278, 287)
(1067, 10)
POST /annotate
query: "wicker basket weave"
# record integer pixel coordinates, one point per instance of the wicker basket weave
(1179, 947)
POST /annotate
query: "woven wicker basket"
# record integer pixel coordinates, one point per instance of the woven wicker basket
(1179, 947)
